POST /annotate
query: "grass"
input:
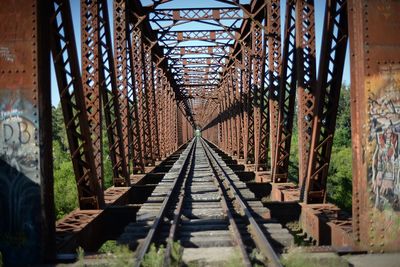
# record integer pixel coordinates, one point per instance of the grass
(176, 254)
(117, 256)
(257, 258)
(109, 246)
(297, 257)
(154, 257)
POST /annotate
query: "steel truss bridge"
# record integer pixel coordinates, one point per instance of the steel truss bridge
(146, 76)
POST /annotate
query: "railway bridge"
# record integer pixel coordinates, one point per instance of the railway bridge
(195, 105)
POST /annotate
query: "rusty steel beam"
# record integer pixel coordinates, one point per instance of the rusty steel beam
(239, 117)
(120, 64)
(181, 36)
(274, 69)
(27, 219)
(133, 87)
(233, 111)
(333, 52)
(306, 80)
(258, 97)
(110, 96)
(90, 79)
(196, 14)
(66, 65)
(153, 114)
(287, 97)
(248, 123)
(375, 106)
(145, 101)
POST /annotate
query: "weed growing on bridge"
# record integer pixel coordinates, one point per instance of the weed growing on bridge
(121, 256)
(154, 257)
(297, 257)
(176, 254)
(110, 246)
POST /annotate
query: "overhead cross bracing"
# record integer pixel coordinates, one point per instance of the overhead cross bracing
(198, 44)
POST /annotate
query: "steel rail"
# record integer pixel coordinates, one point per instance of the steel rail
(235, 229)
(143, 248)
(224, 203)
(178, 209)
(258, 236)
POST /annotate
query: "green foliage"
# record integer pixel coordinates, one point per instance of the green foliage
(339, 178)
(80, 253)
(298, 258)
(154, 257)
(343, 122)
(122, 256)
(340, 173)
(65, 191)
(109, 246)
(176, 254)
(294, 158)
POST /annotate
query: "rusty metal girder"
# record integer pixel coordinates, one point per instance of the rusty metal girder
(66, 65)
(120, 63)
(215, 60)
(306, 80)
(181, 36)
(110, 96)
(213, 50)
(26, 161)
(153, 114)
(239, 117)
(144, 102)
(195, 14)
(90, 79)
(334, 43)
(375, 89)
(287, 97)
(134, 131)
(248, 125)
(233, 111)
(274, 68)
(257, 97)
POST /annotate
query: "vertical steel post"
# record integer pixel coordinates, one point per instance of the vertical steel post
(27, 217)
(72, 98)
(287, 97)
(110, 96)
(333, 52)
(306, 79)
(375, 116)
(90, 79)
(274, 68)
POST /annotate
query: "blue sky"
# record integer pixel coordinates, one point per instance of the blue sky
(75, 8)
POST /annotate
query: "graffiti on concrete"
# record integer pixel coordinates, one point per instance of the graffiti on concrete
(19, 180)
(17, 134)
(384, 112)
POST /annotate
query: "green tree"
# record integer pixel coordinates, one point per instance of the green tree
(65, 191)
(340, 172)
(340, 178)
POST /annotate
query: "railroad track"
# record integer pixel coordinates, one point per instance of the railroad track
(202, 203)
